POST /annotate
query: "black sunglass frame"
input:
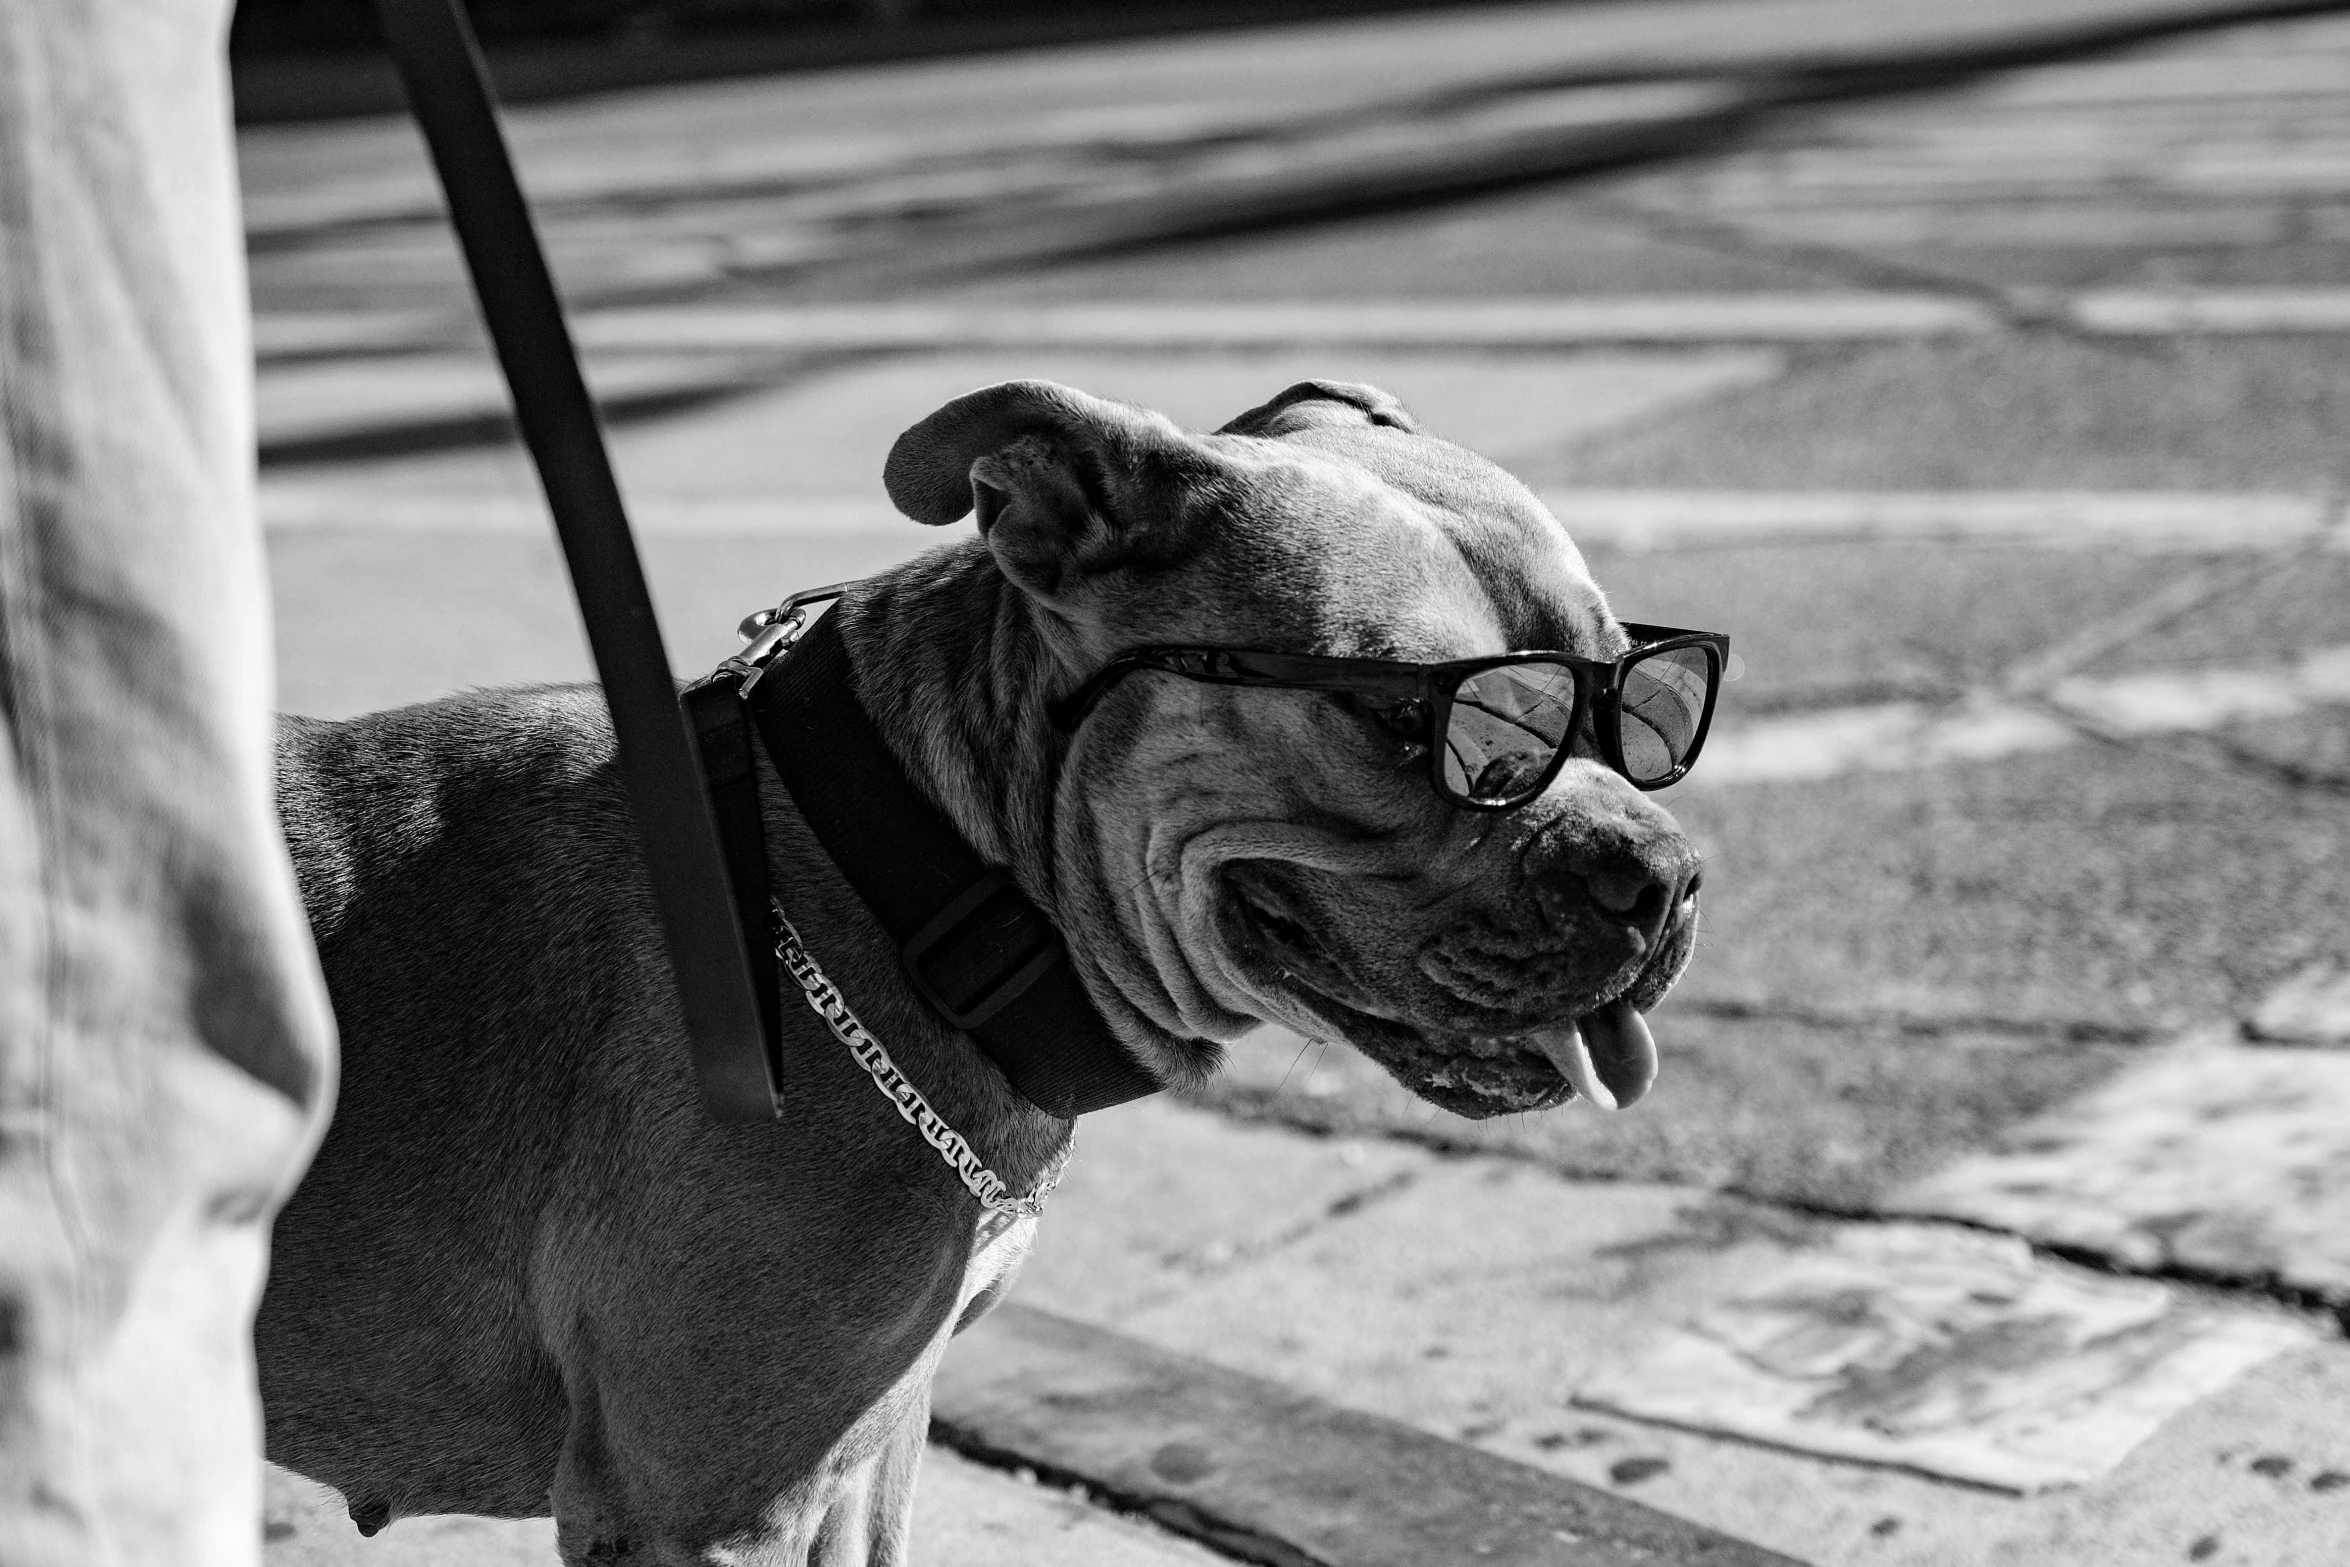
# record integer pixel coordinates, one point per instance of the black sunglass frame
(1599, 687)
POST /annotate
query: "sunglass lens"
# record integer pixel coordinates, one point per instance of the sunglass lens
(1505, 727)
(1663, 703)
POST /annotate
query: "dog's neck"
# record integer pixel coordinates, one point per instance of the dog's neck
(954, 671)
(956, 666)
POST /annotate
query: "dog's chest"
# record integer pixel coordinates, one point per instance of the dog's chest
(997, 1250)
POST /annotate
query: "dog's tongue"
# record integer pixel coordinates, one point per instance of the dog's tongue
(1609, 1056)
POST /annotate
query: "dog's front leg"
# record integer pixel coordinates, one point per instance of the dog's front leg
(872, 1510)
(857, 1516)
(686, 1483)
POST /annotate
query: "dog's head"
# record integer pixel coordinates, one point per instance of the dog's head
(1229, 855)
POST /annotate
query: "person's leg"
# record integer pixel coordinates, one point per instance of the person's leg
(166, 1057)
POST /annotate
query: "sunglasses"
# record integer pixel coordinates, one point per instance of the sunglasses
(1496, 730)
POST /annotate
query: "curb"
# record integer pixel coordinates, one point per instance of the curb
(1269, 1475)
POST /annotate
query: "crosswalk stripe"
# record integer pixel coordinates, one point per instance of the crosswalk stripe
(1522, 323)
(1510, 323)
(1625, 520)
(2144, 520)
(1903, 736)
(1469, 323)
(2311, 1008)
(300, 506)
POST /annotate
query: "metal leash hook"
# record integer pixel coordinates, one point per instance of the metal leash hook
(768, 634)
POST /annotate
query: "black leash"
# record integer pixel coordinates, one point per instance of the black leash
(730, 1014)
(971, 944)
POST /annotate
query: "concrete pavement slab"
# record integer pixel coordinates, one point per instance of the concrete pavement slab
(2213, 1157)
(1270, 1475)
(1177, 1196)
(968, 1515)
(1958, 1355)
(1481, 1298)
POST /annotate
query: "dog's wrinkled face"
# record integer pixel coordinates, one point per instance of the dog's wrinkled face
(1227, 855)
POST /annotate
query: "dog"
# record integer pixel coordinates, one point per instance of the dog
(527, 1272)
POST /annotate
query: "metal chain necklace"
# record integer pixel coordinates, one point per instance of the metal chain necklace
(825, 1000)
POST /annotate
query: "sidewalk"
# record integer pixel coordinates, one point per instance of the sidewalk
(1534, 1316)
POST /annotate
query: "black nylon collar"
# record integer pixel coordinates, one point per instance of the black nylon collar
(984, 957)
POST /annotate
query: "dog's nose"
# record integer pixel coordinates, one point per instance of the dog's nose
(1640, 882)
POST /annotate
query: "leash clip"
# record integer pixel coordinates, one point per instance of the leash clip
(768, 634)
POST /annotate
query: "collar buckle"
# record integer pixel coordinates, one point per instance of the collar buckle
(996, 990)
(768, 634)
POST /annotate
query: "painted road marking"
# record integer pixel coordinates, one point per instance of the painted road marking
(1946, 1352)
(1461, 323)
(2215, 311)
(2186, 700)
(1628, 520)
(2144, 520)
(1904, 736)
(300, 506)
(823, 430)
(2217, 1157)
(1465, 323)
(1526, 323)
(2311, 1008)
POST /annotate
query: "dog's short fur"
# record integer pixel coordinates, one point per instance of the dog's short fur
(527, 1269)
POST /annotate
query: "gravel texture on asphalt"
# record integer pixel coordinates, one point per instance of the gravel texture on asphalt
(2028, 412)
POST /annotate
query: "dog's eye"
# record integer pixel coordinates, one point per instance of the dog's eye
(1406, 719)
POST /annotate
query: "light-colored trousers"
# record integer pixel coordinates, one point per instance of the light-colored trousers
(166, 1054)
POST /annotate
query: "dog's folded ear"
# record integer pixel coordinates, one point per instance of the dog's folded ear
(1057, 478)
(1314, 403)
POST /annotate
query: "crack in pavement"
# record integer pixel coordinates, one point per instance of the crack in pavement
(1225, 1538)
(2082, 1031)
(1217, 1259)
(2267, 1288)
